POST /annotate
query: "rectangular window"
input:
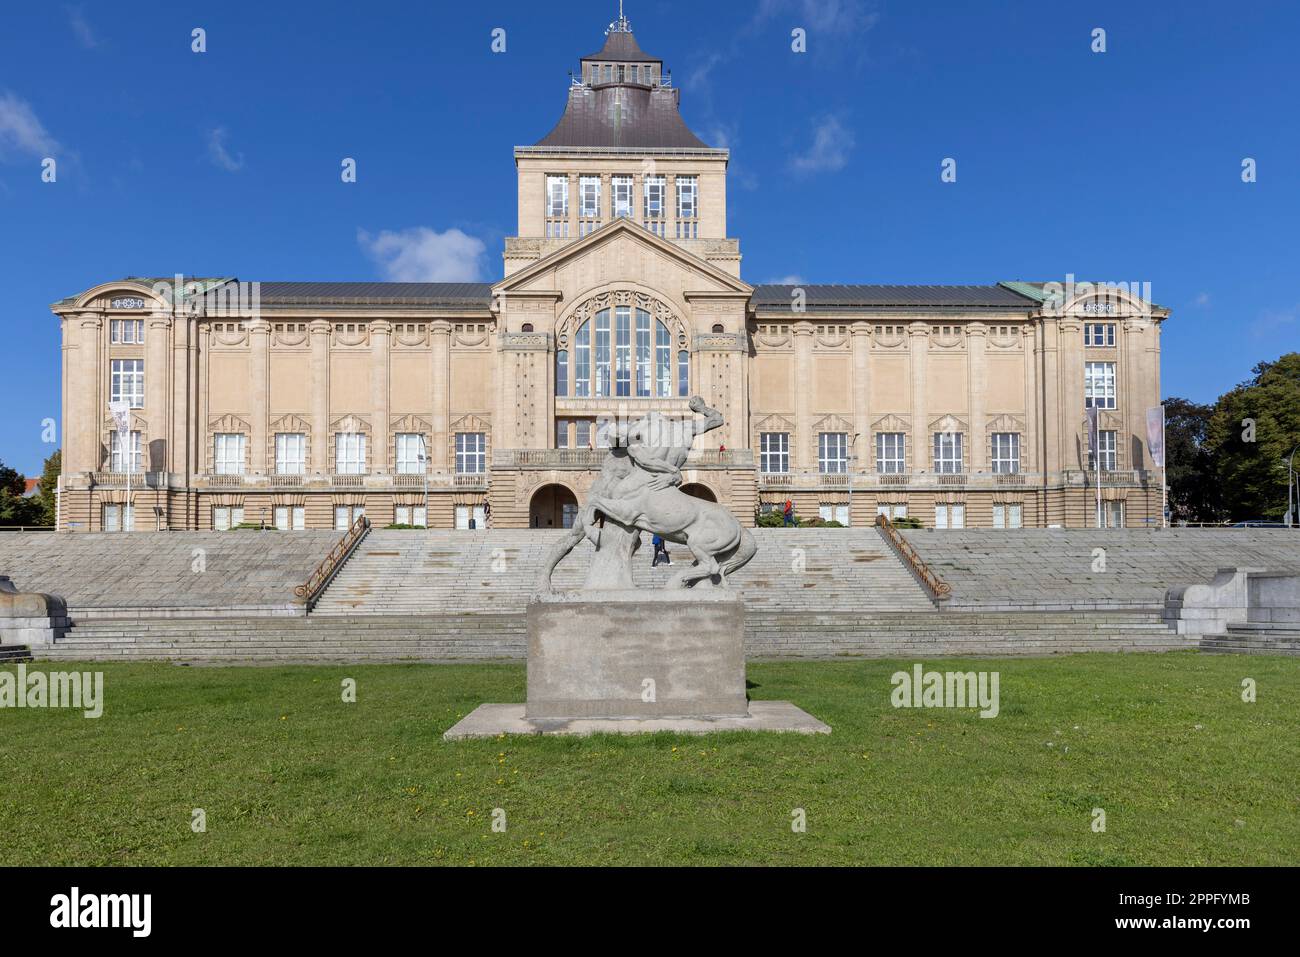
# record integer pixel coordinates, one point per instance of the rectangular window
(588, 203)
(118, 518)
(833, 453)
(290, 518)
(834, 513)
(655, 190)
(892, 511)
(1006, 452)
(410, 515)
(1007, 516)
(127, 382)
(349, 453)
(1099, 334)
(562, 433)
(290, 453)
(950, 516)
(120, 460)
(562, 372)
(947, 453)
(410, 453)
(890, 449)
(774, 452)
(228, 453)
(621, 190)
(471, 453)
(688, 208)
(582, 434)
(557, 207)
(344, 516)
(642, 353)
(126, 332)
(1106, 446)
(582, 361)
(1112, 515)
(224, 518)
(623, 350)
(602, 353)
(1099, 385)
(470, 517)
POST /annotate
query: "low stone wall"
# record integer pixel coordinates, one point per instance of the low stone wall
(30, 618)
(1235, 596)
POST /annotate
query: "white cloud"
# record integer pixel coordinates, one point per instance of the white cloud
(829, 150)
(1274, 322)
(1202, 299)
(420, 254)
(21, 131)
(221, 157)
(81, 28)
(792, 280)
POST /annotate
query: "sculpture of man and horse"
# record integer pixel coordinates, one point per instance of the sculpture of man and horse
(639, 490)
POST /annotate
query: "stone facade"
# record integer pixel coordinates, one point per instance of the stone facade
(306, 404)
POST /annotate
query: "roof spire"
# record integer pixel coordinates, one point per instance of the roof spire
(620, 25)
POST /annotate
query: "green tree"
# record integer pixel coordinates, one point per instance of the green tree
(14, 508)
(1253, 430)
(49, 487)
(1193, 488)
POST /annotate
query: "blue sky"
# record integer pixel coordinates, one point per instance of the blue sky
(1116, 166)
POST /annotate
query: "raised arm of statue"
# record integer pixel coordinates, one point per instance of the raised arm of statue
(712, 417)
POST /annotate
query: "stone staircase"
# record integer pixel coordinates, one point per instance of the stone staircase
(1052, 569)
(1256, 638)
(14, 654)
(480, 636)
(442, 572)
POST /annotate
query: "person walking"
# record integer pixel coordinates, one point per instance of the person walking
(660, 550)
(789, 512)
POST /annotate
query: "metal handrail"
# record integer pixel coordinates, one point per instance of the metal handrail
(939, 589)
(310, 590)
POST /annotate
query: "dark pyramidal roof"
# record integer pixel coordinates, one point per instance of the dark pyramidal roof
(853, 296)
(624, 114)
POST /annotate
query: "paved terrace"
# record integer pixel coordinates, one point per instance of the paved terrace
(1051, 569)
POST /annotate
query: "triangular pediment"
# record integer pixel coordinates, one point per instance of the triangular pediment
(620, 247)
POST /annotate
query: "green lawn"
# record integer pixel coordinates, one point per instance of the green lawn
(289, 774)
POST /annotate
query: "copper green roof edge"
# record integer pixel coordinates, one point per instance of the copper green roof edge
(209, 282)
(1034, 290)
(1024, 289)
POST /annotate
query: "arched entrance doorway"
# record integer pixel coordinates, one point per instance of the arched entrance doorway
(696, 490)
(552, 506)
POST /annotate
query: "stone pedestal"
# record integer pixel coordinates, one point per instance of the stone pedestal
(621, 661)
(30, 618)
(636, 654)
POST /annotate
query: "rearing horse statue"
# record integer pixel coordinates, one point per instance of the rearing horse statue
(639, 490)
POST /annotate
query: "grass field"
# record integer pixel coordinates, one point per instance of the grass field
(287, 773)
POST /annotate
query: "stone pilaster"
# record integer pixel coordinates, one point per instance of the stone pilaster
(976, 341)
(1071, 430)
(319, 331)
(863, 448)
(921, 454)
(91, 405)
(440, 389)
(803, 452)
(259, 340)
(381, 338)
(155, 452)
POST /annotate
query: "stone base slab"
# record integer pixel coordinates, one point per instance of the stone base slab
(636, 654)
(490, 720)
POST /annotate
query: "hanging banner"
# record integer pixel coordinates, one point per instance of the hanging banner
(1156, 435)
(1092, 433)
(121, 412)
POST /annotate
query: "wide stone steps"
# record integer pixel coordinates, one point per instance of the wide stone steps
(14, 654)
(403, 572)
(491, 637)
(1255, 638)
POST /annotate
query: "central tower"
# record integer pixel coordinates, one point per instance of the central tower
(622, 151)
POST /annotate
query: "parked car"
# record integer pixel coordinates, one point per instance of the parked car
(1257, 523)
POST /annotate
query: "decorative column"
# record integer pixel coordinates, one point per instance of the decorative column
(574, 204)
(156, 378)
(861, 332)
(802, 451)
(179, 447)
(259, 336)
(319, 330)
(976, 343)
(381, 337)
(1073, 415)
(91, 402)
(440, 392)
(670, 207)
(921, 453)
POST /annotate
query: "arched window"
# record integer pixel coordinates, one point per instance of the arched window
(717, 327)
(527, 327)
(615, 355)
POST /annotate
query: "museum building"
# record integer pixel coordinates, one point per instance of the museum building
(213, 402)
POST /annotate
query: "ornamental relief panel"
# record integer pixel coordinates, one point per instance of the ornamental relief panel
(349, 334)
(410, 334)
(289, 334)
(350, 423)
(831, 337)
(228, 333)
